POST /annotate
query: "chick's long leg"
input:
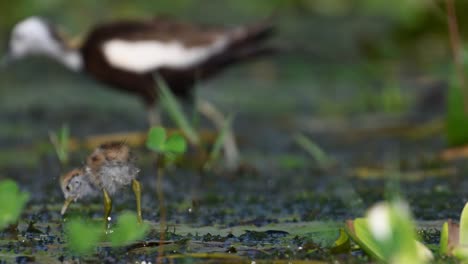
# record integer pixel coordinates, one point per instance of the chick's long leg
(107, 206)
(136, 186)
(231, 151)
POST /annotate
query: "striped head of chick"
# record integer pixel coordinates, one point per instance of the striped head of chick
(111, 166)
(75, 186)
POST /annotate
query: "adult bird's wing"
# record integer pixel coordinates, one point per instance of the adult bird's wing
(147, 46)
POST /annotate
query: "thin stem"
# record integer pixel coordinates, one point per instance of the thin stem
(162, 220)
(455, 43)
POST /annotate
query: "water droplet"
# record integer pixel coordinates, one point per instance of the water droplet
(109, 218)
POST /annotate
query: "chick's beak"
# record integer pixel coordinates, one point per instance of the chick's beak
(67, 202)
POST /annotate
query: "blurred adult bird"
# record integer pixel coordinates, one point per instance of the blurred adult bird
(127, 55)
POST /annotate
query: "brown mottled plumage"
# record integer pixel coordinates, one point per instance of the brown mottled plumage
(110, 167)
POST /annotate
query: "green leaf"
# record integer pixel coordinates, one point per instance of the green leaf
(387, 233)
(174, 110)
(314, 150)
(365, 239)
(342, 244)
(83, 236)
(156, 139)
(13, 202)
(464, 227)
(176, 144)
(456, 118)
(218, 145)
(444, 237)
(128, 230)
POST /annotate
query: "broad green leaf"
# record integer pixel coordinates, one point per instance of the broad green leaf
(176, 144)
(156, 139)
(464, 227)
(387, 233)
(12, 202)
(365, 239)
(83, 236)
(128, 230)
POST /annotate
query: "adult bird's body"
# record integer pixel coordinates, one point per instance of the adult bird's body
(128, 55)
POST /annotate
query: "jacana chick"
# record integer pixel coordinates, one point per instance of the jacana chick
(110, 167)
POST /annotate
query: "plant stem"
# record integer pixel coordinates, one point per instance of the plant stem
(162, 221)
(455, 43)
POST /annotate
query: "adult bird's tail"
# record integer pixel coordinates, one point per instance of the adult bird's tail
(246, 43)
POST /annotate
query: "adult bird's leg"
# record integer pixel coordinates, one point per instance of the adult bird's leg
(136, 186)
(107, 206)
(154, 115)
(231, 152)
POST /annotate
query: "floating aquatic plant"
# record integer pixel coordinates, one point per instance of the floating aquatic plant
(169, 147)
(388, 234)
(84, 236)
(13, 202)
(454, 237)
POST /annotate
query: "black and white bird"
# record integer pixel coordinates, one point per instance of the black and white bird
(126, 55)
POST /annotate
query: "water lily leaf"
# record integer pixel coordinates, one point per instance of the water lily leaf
(83, 236)
(176, 144)
(156, 139)
(128, 230)
(13, 202)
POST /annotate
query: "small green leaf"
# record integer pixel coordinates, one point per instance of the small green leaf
(156, 139)
(342, 244)
(83, 236)
(176, 144)
(13, 202)
(444, 237)
(464, 227)
(456, 119)
(128, 230)
(170, 103)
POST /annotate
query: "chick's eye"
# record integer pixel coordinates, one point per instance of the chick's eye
(67, 188)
